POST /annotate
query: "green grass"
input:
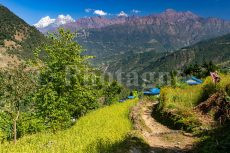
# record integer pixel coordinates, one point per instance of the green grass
(99, 131)
(176, 109)
(216, 142)
(179, 102)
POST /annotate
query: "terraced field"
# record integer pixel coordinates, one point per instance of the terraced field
(99, 131)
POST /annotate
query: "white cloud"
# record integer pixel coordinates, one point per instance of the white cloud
(87, 10)
(60, 20)
(122, 14)
(100, 12)
(44, 22)
(136, 11)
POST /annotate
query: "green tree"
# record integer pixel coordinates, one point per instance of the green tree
(112, 93)
(208, 67)
(17, 84)
(66, 87)
(200, 70)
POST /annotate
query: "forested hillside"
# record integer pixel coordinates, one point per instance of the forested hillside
(216, 50)
(16, 35)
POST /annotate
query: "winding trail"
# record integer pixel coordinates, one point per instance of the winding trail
(159, 137)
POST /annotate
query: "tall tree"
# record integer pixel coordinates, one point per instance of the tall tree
(66, 81)
(17, 84)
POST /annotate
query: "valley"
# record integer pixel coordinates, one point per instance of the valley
(155, 43)
(87, 85)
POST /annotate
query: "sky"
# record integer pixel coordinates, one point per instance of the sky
(33, 10)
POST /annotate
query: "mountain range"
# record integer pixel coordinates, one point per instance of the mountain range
(158, 42)
(108, 38)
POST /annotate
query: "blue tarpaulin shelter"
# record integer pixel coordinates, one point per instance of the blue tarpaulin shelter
(194, 81)
(131, 97)
(152, 91)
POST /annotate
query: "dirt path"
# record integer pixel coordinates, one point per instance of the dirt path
(159, 137)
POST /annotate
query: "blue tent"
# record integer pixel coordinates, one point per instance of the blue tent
(131, 97)
(152, 91)
(194, 81)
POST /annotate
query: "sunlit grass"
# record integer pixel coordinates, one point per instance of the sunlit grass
(181, 101)
(99, 129)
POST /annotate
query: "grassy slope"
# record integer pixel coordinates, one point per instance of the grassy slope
(176, 109)
(179, 103)
(98, 131)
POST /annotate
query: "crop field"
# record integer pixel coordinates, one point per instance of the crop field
(98, 131)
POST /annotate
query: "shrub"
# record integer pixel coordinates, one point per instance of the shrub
(228, 89)
(16, 85)
(30, 124)
(6, 125)
(207, 90)
(112, 93)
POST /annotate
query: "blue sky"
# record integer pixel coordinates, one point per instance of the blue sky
(33, 10)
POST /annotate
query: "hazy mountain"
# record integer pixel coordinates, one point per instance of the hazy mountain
(216, 50)
(168, 31)
(146, 43)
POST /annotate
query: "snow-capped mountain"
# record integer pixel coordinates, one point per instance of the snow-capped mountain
(60, 20)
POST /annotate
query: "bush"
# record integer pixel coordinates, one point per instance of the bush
(6, 125)
(30, 124)
(207, 90)
(228, 89)
(112, 93)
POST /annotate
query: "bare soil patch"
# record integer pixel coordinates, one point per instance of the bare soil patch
(159, 137)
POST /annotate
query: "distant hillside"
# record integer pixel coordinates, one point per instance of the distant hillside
(16, 37)
(216, 50)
